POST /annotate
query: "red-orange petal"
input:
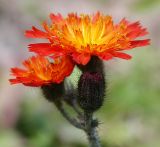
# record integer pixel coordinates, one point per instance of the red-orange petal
(106, 56)
(56, 18)
(36, 33)
(44, 49)
(81, 58)
(121, 55)
(139, 43)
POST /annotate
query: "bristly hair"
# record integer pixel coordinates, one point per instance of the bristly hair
(53, 92)
(91, 90)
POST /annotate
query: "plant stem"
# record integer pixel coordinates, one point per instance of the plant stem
(91, 130)
(75, 108)
(72, 121)
(88, 127)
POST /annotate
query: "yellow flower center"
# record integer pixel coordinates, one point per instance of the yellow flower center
(85, 33)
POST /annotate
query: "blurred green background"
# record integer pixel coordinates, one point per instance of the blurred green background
(130, 116)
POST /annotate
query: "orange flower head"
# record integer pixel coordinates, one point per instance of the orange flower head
(39, 71)
(87, 35)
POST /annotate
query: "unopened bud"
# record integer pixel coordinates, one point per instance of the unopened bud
(91, 89)
(53, 92)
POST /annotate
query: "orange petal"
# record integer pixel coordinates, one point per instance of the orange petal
(139, 43)
(81, 58)
(121, 55)
(36, 33)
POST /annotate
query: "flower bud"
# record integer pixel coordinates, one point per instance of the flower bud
(53, 92)
(91, 91)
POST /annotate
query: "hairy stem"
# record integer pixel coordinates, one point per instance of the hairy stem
(72, 121)
(91, 130)
(87, 126)
(75, 108)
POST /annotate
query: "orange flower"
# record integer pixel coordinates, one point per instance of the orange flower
(39, 71)
(85, 36)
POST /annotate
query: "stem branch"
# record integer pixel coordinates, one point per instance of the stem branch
(75, 108)
(72, 121)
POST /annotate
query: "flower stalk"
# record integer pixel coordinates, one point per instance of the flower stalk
(88, 125)
(91, 130)
(66, 115)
